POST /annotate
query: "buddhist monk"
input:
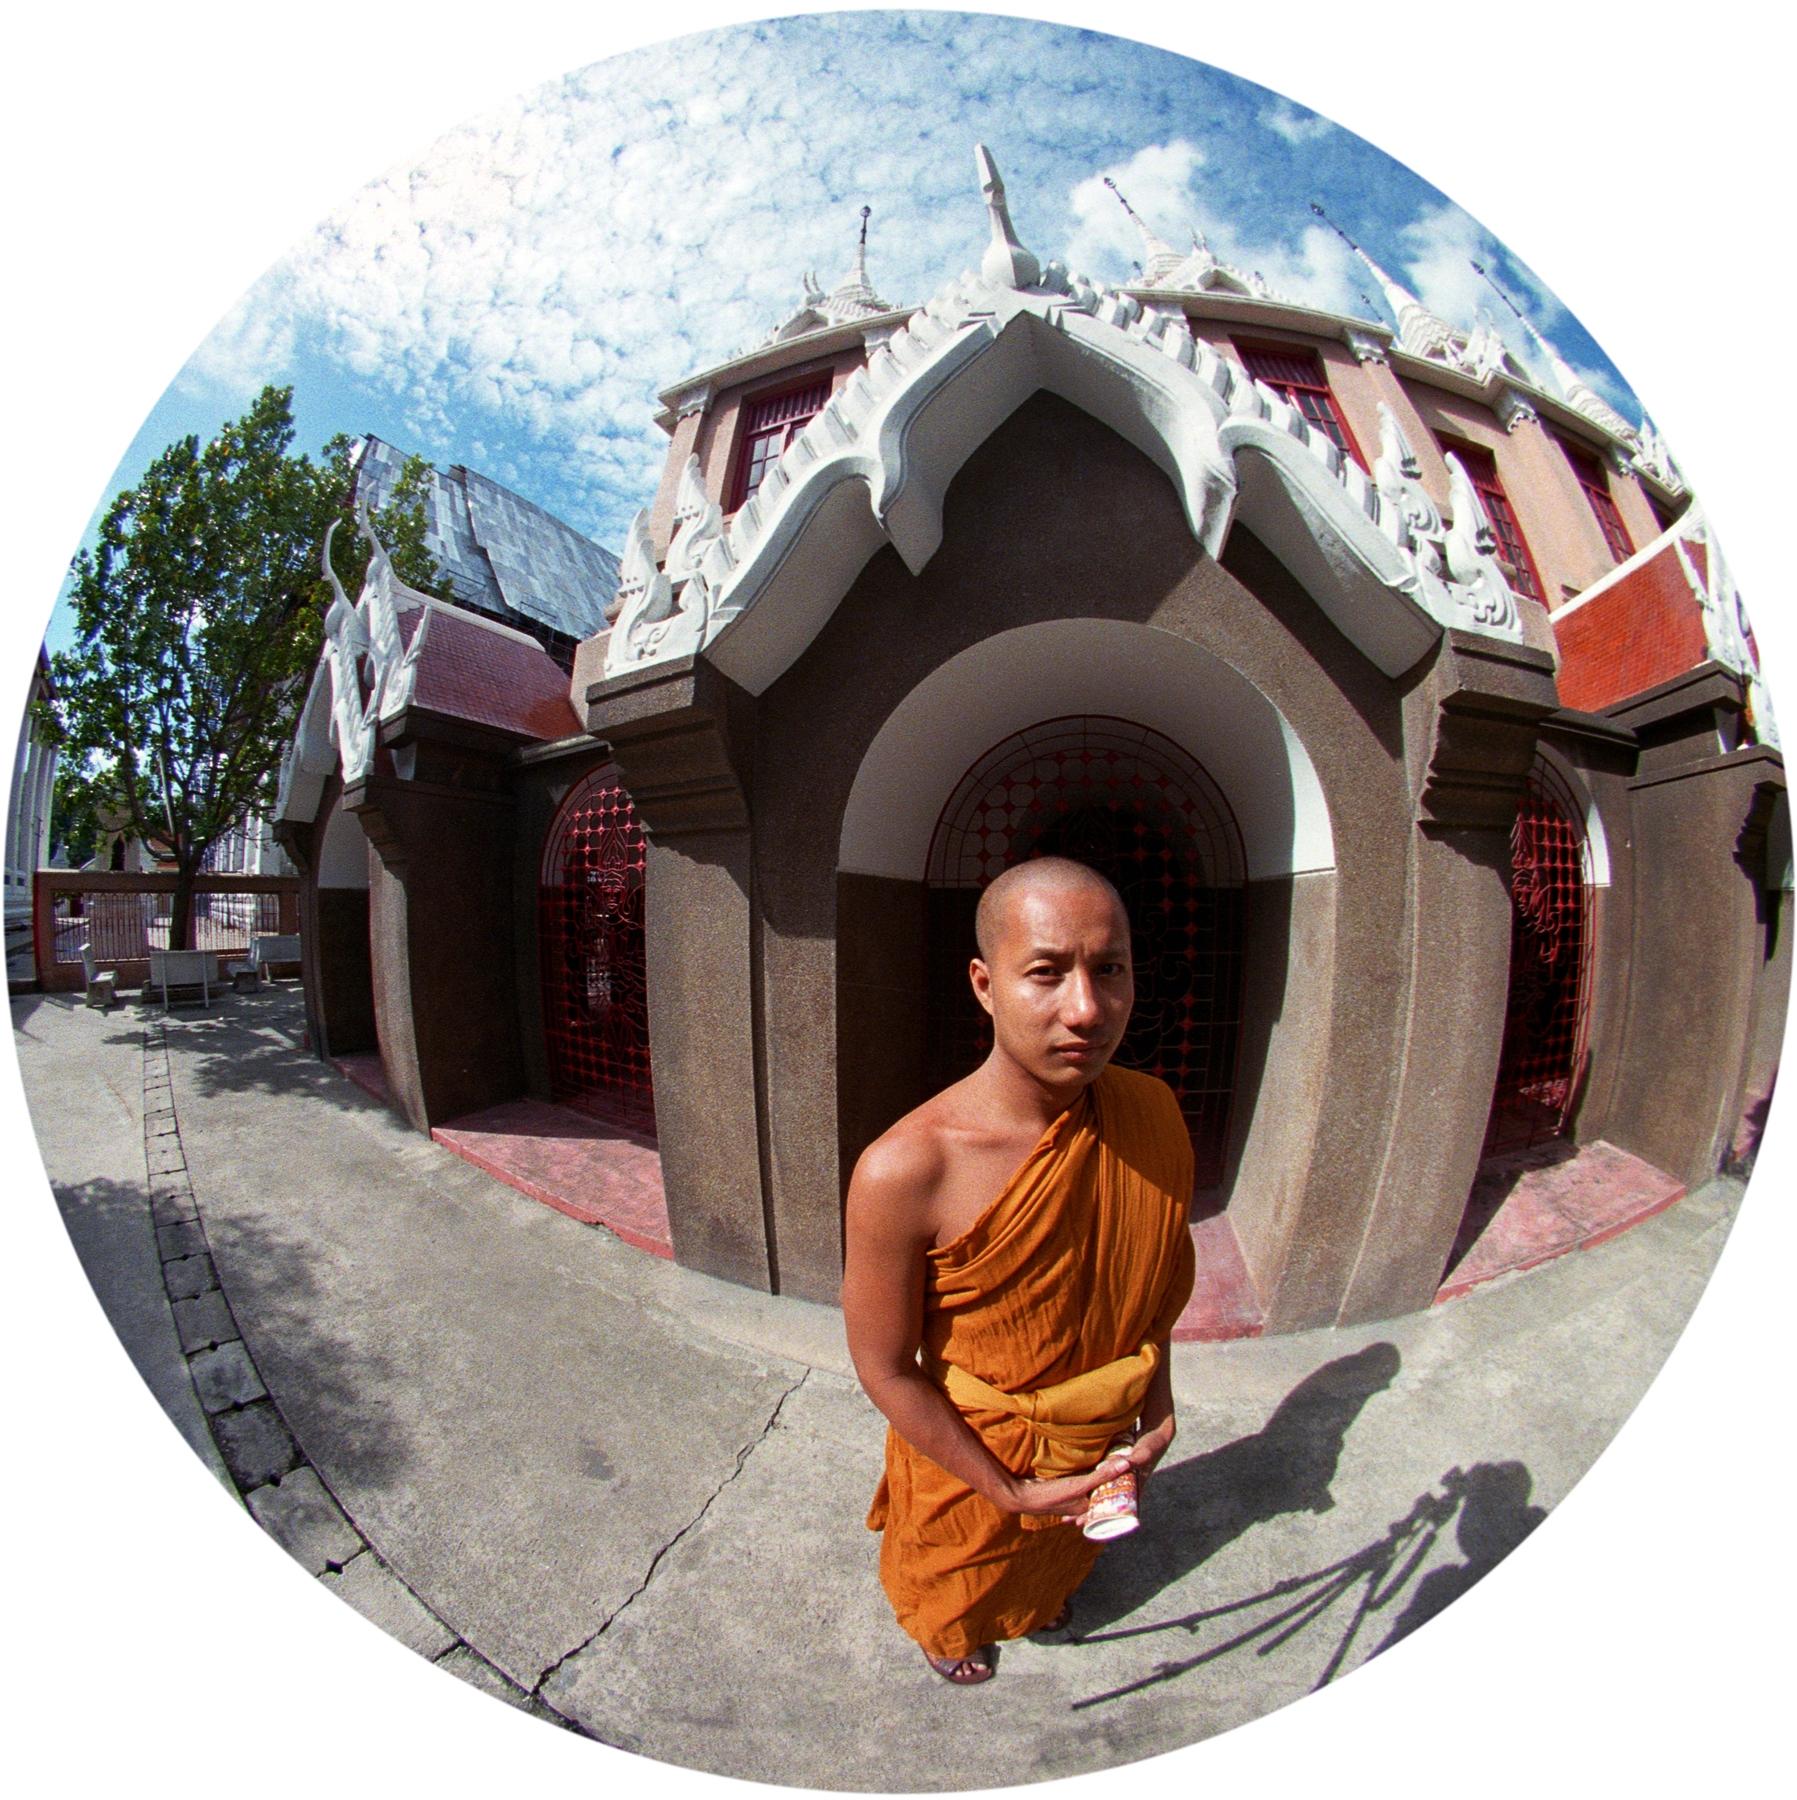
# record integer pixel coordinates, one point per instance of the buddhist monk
(1017, 1253)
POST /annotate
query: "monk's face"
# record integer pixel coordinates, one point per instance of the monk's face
(1058, 982)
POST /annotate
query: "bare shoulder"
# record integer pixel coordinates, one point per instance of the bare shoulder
(901, 1169)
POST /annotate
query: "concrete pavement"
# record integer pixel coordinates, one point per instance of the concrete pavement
(630, 1498)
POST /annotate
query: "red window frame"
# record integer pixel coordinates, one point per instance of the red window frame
(1297, 376)
(1590, 472)
(1513, 547)
(770, 422)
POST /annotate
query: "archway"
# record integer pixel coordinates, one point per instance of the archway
(340, 975)
(590, 912)
(1142, 811)
(1542, 1063)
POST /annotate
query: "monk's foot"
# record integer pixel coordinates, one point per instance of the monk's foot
(1059, 1622)
(963, 1671)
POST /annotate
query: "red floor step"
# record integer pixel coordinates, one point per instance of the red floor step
(599, 1173)
(1525, 1208)
(1534, 1205)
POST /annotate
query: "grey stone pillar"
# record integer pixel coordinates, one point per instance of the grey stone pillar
(1470, 740)
(681, 735)
(1705, 959)
(440, 923)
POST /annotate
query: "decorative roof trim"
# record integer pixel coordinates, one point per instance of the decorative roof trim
(873, 467)
(770, 359)
(366, 675)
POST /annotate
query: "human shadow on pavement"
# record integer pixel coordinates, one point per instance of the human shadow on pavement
(1489, 1507)
(1200, 1505)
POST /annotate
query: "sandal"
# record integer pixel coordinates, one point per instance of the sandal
(964, 1671)
(1060, 1621)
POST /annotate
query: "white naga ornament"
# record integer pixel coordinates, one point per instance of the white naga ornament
(371, 668)
(873, 467)
(1727, 634)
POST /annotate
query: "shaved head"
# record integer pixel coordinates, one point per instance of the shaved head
(1046, 875)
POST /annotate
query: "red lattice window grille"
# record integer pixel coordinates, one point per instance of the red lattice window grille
(769, 425)
(1297, 377)
(1513, 548)
(594, 966)
(1596, 485)
(1541, 1065)
(1136, 807)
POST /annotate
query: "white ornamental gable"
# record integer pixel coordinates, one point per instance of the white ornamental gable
(872, 468)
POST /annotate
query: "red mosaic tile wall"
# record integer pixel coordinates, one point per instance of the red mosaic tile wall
(594, 961)
(484, 676)
(1644, 630)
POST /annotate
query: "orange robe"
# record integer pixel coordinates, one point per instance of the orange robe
(1083, 1258)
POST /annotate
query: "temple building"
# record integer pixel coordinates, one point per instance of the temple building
(28, 807)
(1404, 693)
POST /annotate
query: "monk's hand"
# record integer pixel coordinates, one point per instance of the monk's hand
(1147, 1451)
(1065, 1495)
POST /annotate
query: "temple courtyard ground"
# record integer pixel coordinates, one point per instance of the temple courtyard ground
(628, 1499)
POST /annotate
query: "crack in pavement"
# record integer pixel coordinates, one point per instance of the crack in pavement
(698, 1518)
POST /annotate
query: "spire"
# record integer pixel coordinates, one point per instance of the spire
(1006, 262)
(1577, 393)
(1420, 331)
(853, 296)
(1159, 258)
(1573, 391)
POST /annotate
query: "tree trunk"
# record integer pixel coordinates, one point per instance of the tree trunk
(180, 925)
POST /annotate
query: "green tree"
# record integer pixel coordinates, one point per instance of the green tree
(78, 801)
(199, 613)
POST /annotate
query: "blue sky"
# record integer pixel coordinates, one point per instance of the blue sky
(514, 297)
(1649, 127)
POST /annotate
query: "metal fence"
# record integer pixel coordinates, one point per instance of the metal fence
(124, 917)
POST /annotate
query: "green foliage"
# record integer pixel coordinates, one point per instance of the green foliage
(199, 614)
(79, 801)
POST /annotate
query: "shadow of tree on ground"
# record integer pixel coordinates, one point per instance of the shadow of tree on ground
(330, 1387)
(254, 1044)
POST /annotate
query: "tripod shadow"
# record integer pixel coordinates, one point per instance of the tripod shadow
(1200, 1505)
(1489, 1507)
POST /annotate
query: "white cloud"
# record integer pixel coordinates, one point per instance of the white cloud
(1157, 182)
(543, 270)
(1167, 185)
(1441, 245)
(253, 343)
(1294, 123)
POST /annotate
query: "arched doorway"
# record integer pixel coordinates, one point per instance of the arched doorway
(340, 972)
(1542, 1064)
(594, 967)
(1138, 808)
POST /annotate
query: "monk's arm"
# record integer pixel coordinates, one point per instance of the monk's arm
(1154, 1436)
(1154, 1423)
(887, 1235)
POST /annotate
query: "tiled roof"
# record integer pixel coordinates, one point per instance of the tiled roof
(500, 553)
(468, 670)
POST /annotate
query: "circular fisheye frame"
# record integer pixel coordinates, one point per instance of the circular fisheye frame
(496, 845)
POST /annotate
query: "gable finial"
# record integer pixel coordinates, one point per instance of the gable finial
(1006, 262)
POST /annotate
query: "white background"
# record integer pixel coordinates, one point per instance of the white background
(161, 157)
